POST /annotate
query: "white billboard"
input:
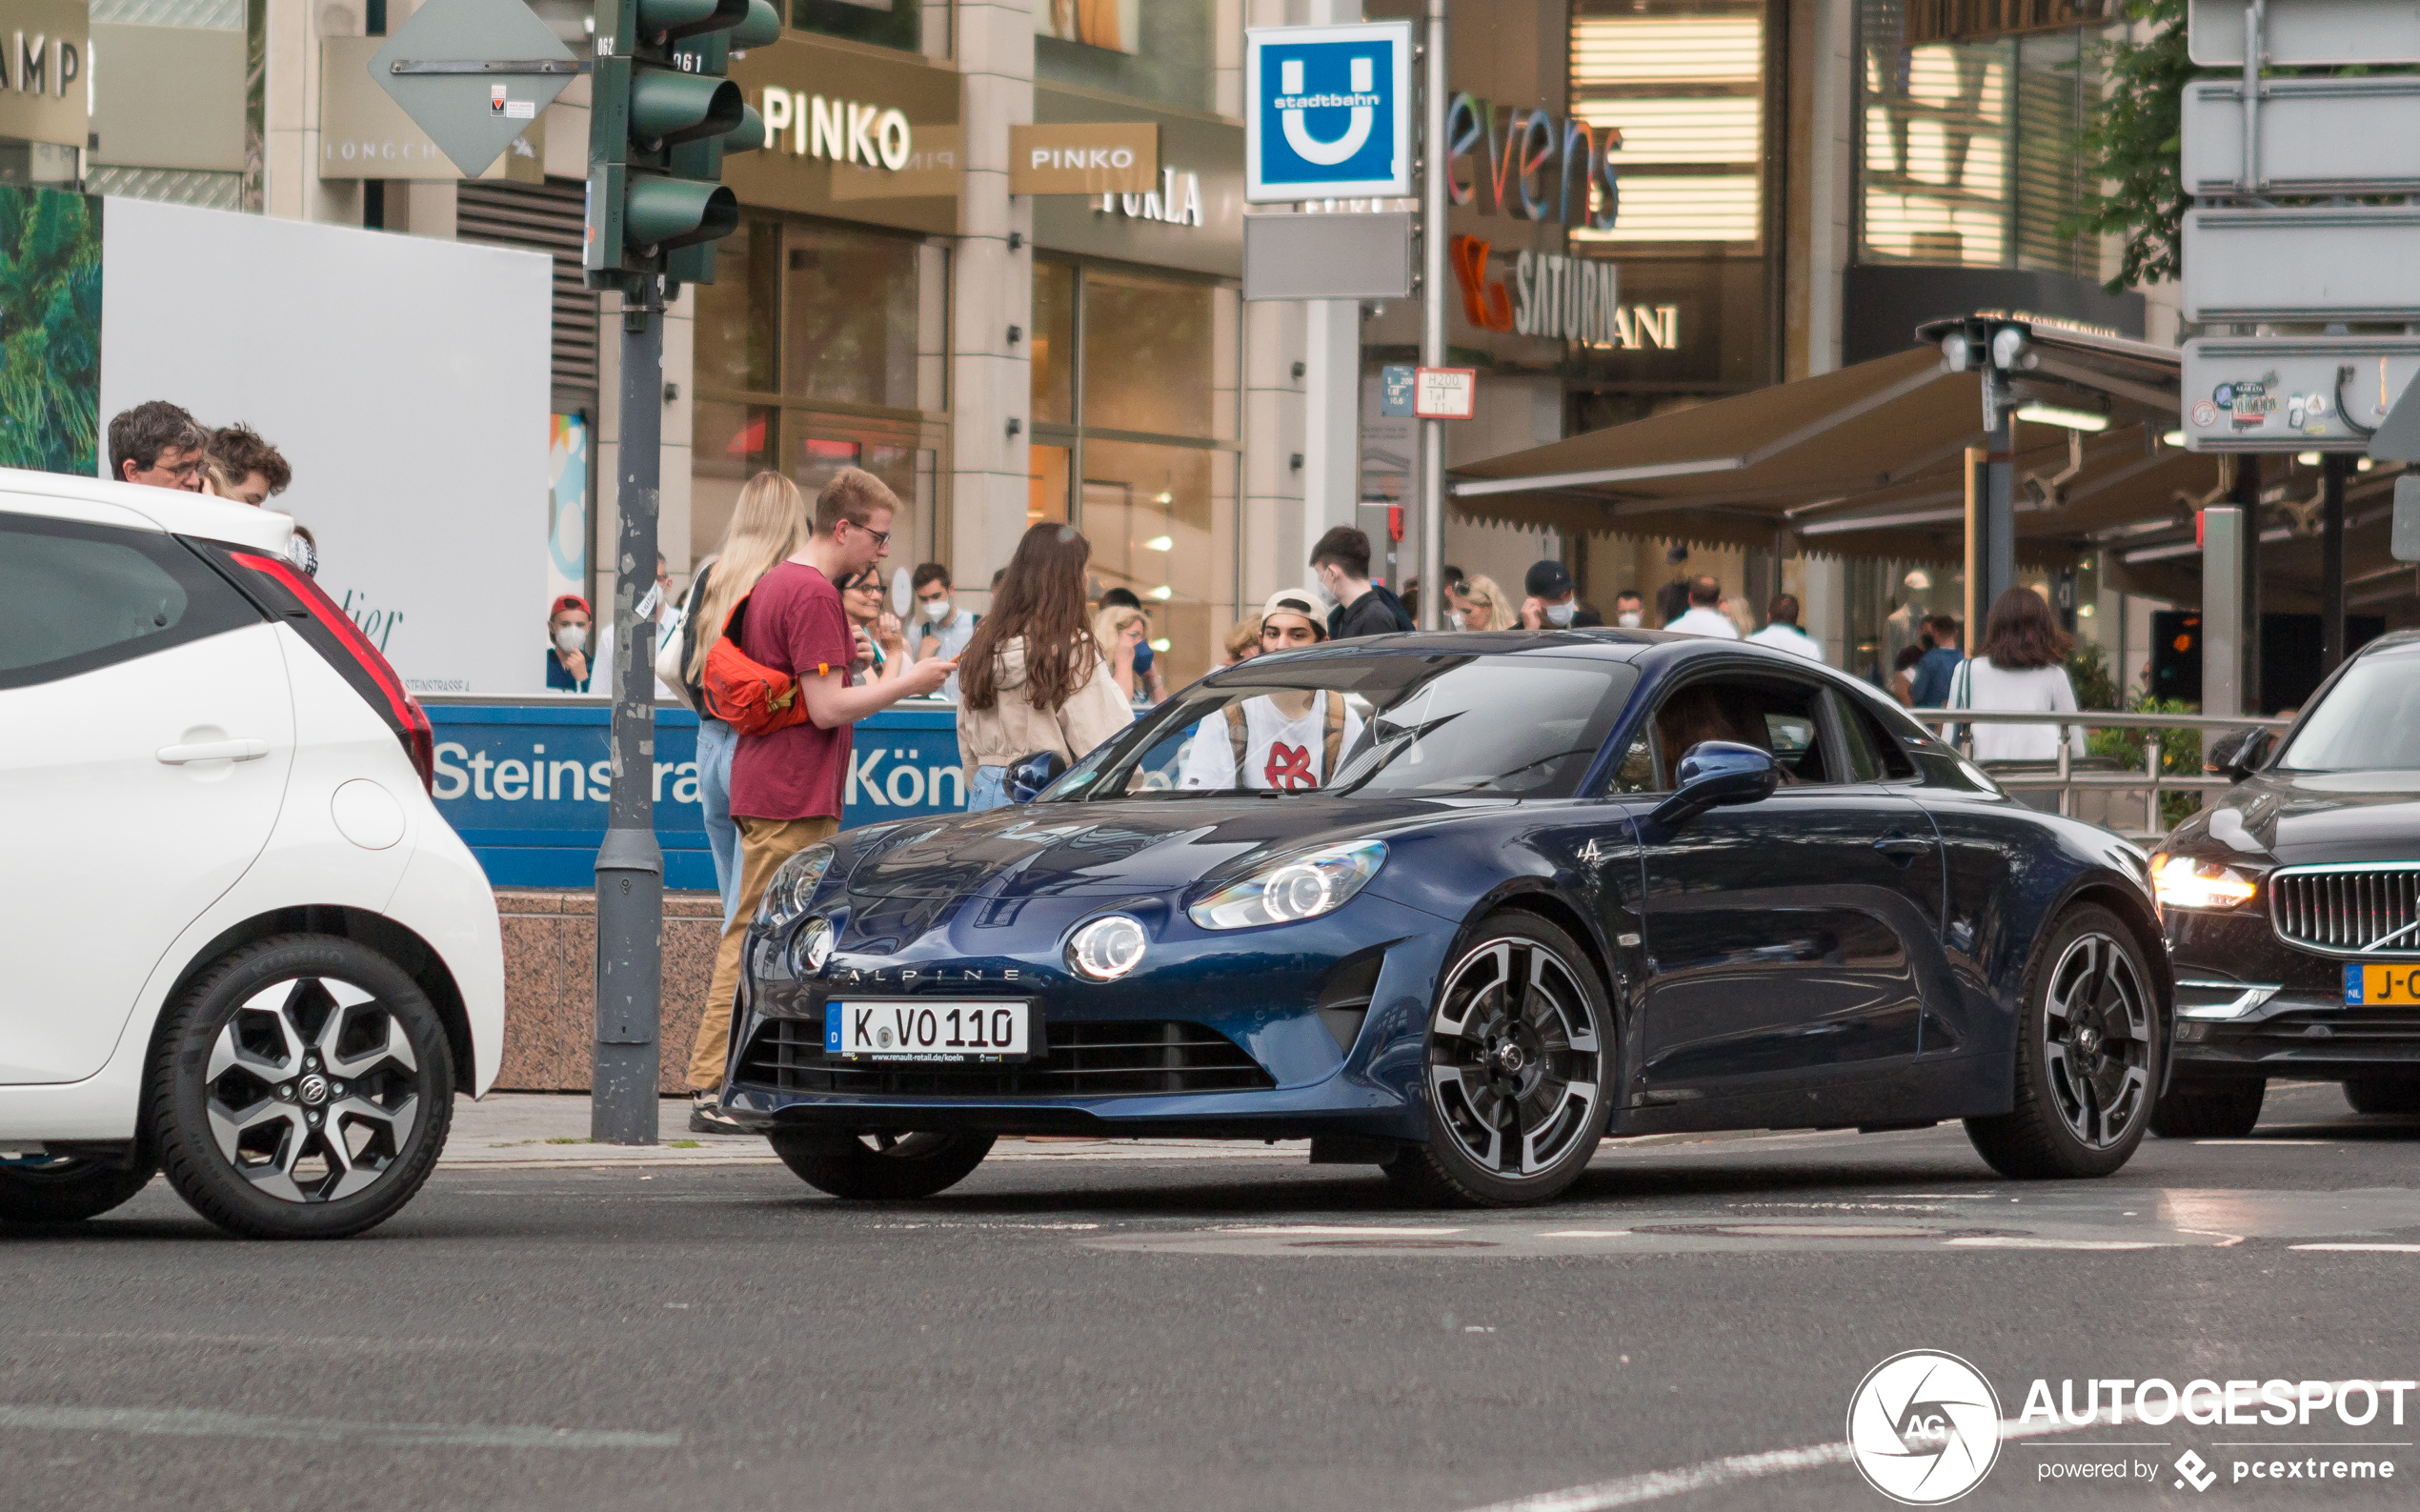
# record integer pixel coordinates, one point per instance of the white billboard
(405, 378)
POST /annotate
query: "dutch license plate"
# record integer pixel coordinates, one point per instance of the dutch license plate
(2369, 986)
(928, 1030)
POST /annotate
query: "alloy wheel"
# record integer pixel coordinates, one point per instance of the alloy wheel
(2097, 1045)
(312, 1089)
(1515, 1066)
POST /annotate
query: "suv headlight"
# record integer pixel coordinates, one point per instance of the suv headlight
(793, 887)
(1302, 886)
(2180, 882)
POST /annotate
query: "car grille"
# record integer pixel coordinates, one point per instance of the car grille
(1121, 1057)
(2323, 1025)
(2343, 911)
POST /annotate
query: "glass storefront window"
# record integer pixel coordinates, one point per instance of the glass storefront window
(853, 303)
(890, 23)
(1683, 82)
(739, 314)
(1162, 50)
(909, 471)
(1152, 513)
(730, 444)
(1148, 349)
(1046, 482)
(1054, 343)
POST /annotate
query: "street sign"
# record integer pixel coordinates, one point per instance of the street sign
(1395, 390)
(473, 74)
(2316, 137)
(2306, 32)
(2350, 262)
(1344, 256)
(1327, 113)
(1445, 394)
(2403, 542)
(2292, 393)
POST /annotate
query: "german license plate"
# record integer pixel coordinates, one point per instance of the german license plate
(2367, 986)
(928, 1030)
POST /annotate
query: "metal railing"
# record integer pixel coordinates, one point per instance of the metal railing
(2068, 783)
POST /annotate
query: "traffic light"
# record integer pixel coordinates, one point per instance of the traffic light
(662, 115)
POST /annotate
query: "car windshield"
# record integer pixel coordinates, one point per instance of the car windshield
(1368, 724)
(2369, 720)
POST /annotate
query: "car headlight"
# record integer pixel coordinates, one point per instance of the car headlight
(810, 947)
(1107, 949)
(1302, 886)
(2180, 882)
(793, 887)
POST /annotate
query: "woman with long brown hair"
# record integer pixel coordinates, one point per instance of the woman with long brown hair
(1033, 678)
(2021, 665)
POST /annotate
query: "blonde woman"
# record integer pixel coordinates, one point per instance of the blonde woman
(1484, 605)
(768, 525)
(1120, 629)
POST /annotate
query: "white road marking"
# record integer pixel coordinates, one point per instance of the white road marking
(2013, 1242)
(195, 1423)
(2267, 1141)
(1587, 1233)
(2362, 1249)
(1336, 1230)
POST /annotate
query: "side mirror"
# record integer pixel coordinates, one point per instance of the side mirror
(2239, 754)
(1717, 773)
(1029, 774)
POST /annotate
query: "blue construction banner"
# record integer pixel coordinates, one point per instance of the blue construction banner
(525, 784)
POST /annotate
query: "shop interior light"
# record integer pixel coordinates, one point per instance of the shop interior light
(2362, 466)
(1165, 496)
(2174, 438)
(2041, 414)
(1161, 644)
(2308, 458)
(1163, 592)
(1161, 543)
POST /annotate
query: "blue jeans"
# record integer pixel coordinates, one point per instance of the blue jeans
(715, 742)
(990, 790)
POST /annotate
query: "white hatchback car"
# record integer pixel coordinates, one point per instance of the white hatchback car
(243, 947)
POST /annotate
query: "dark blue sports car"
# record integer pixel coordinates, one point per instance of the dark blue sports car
(1459, 906)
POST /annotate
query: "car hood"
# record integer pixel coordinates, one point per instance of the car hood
(2292, 818)
(1103, 849)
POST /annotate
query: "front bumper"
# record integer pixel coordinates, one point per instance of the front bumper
(2251, 1006)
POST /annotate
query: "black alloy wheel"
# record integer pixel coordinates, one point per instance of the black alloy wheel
(2089, 1052)
(66, 1189)
(2387, 1092)
(2203, 1110)
(302, 1088)
(881, 1167)
(1519, 1055)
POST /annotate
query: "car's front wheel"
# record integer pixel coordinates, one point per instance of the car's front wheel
(2389, 1093)
(2227, 1111)
(881, 1167)
(302, 1090)
(66, 1189)
(1520, 1055)
(2088, 1056)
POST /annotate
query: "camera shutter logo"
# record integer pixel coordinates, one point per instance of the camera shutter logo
(1923, 1427)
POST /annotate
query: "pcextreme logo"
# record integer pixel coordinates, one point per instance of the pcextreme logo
(1923, 1427)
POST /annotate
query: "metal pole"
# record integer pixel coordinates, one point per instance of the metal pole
(2248, 489)
(2224, 527)
(2255, 13)
(1432, 343)
(629, 866)
(1971, 629)
(2332, 467)
(1999, 502)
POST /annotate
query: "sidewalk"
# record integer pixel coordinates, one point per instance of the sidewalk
(522, 1130)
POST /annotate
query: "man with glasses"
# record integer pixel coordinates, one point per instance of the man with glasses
(158, 445)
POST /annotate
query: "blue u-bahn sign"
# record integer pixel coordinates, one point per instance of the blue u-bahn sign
(1327, 111)
(525, 785)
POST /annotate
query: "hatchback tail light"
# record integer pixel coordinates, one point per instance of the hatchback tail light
(331, 632)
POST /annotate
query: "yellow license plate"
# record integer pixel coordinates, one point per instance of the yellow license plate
(2391, 986)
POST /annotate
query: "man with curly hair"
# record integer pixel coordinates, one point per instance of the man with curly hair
(242, 466)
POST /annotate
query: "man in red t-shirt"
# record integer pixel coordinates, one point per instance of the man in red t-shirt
(786, 787)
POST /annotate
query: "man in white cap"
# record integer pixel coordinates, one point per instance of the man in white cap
(1289, 741)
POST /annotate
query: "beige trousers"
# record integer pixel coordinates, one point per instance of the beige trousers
(764, 844)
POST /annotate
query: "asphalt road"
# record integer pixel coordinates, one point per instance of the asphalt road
(1194, 1335)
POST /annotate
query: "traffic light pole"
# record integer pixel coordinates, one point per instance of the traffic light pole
(629, 867)
(1432, 346)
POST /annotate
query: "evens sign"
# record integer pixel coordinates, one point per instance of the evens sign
(1534, 167)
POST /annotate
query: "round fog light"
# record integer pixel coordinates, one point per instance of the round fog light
(812, 946)
(1107, 949)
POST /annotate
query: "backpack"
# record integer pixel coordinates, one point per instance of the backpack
(745, 693)
(1333, 737)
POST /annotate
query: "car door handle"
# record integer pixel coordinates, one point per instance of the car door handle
(1904, 848)
(176, 755)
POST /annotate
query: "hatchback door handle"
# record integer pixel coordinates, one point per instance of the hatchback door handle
(176, 755)
(1902, 848)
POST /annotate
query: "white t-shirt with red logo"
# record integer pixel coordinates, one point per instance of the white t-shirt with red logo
(1287, 755)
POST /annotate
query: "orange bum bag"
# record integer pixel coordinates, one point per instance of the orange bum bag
(745, 693)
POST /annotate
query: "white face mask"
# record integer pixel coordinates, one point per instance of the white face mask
(1628, 619)
(935, 609)
(1561, 614)
(1454, 619)
(572, 639)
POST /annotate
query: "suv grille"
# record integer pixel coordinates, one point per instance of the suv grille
(2319, 1026)
(2349, 910)
(1130, 1057)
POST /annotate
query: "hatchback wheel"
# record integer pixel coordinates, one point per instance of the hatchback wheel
(881, 1167)
(1518, 1057)
(2089, 1052)
(2384, 1094)
(63, 1189)
(2225, 1111)
(303, 1089)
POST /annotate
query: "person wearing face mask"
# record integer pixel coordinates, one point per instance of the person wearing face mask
(1705, 615)
(1552, 603)
(567, 645)
(1482, 605)
(1342, 562)
(1629, 609)
(942, 627)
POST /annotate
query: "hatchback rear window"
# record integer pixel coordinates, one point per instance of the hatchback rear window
(74, 597)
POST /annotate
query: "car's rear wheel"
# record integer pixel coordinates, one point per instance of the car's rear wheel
(303, 1089)
(66, 1189)
(881, 1167)
(2225, 1111)
(1520, 1055)
(2384, 1094)
(2089, 1052)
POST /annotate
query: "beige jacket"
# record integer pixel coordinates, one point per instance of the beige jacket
(1012, 727)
